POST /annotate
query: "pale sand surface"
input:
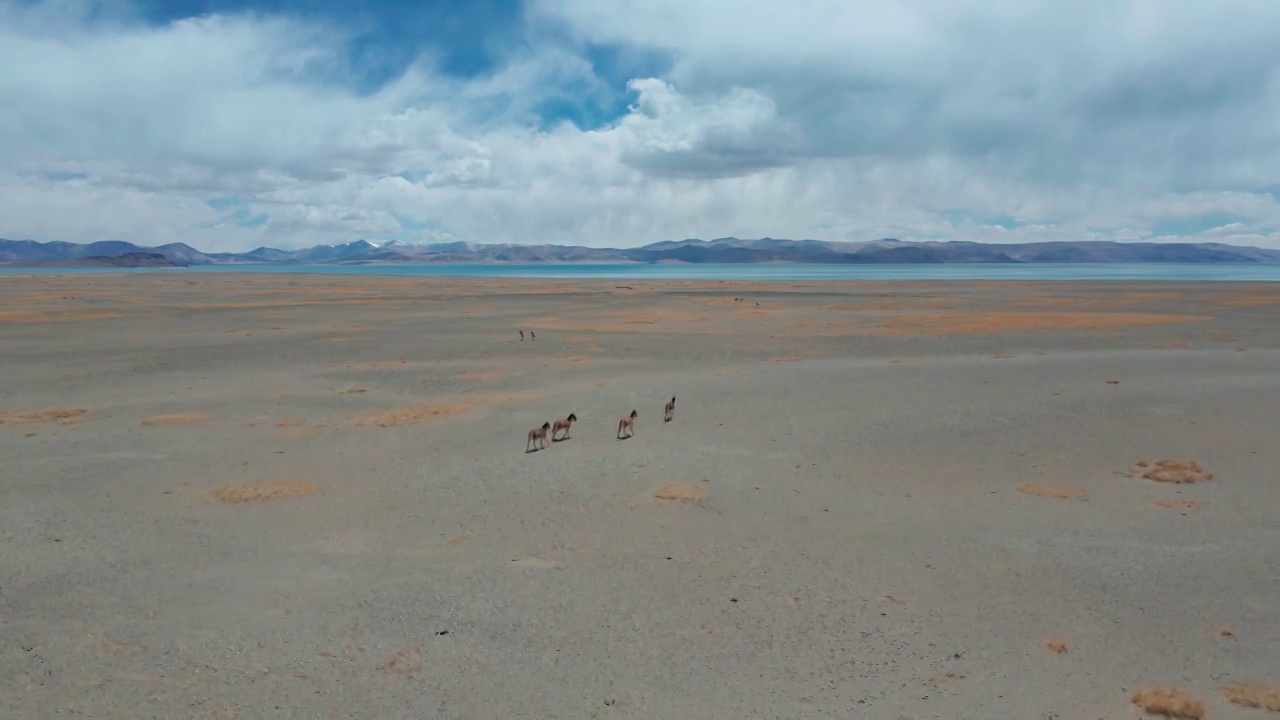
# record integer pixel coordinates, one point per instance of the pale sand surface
(307, 496)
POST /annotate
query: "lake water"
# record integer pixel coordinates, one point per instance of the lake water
(761, 271)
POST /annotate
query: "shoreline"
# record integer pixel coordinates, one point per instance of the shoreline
(781, 271)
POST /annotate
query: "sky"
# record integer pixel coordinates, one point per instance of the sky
(231, 124)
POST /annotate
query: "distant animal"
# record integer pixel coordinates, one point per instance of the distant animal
(627, 424)
(563, 424)
(669, 411)
(537, 436)
(532, 336)
(521, 336)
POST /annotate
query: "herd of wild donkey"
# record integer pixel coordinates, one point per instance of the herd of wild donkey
(537, 439)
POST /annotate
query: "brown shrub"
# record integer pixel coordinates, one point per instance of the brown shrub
(1177, 471)
(1170, 702)
(65, 416)
(1254, 696)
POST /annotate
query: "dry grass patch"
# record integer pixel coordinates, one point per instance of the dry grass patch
(66, 416)
(1053, 491)
(654, 317)
(1058, 646)
(1170, 702)
(681, 491)
(426, 412)
(34, 316)
(1177, 471)
(481, 375)
(412, 415)
(176, 419)
(263, 491)
(979, 323)
(1253, 696)
(1251, 301)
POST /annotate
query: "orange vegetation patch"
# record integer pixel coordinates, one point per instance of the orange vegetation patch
(1002, 322)
(177, 419)
(1178, 504)
(576, 358)
(1055, 302)
(426, 412)
(682, 491)
(713, 300)
(1058, 646)
(481, 375)
(1169, 702)
(353, 391)
(1250, 301)
(263, 491)
(653, 317)
(318, 302)
(1177, 471)
(1253, 696)
(65, 416)
(1053, 491)
(51, 316)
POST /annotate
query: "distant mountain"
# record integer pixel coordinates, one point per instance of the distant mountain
(720, 250)
(132, 259)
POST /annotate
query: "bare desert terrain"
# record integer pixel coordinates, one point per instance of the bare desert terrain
(261, 496)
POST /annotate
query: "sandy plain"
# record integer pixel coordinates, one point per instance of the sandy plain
(244, 496)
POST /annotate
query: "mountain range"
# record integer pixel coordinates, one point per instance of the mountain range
(722, 250)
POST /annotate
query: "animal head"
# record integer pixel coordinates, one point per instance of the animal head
(634, 413)
(546, 425)
(573, 417)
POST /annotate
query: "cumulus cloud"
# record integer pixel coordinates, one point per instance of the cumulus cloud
(829, 119)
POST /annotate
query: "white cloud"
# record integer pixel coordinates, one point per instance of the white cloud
(830, 119)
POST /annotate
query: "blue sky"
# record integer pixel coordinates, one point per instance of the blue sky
(231, 124)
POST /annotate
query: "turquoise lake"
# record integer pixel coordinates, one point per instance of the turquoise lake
(762, 271)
